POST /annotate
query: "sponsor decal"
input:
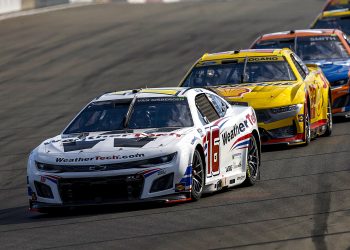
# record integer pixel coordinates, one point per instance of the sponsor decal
(237, 160)
(301, 118)
(99, 138)
(233, 91)
(180, 187)
(239, 178)
(207, 63)
(194, 140)
(99, 158)
(97, 168)
(229, 168)
(161, 99)
(321, 38)
(161, 91)
(239, 128)
(265, 59)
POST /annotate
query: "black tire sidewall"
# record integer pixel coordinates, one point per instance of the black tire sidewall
(197, 195)
(250, 181)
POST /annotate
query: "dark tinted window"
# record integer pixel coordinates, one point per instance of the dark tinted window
(299, 68)
(240, 70)
(310, 47)
(341, 23)
(145, 113)
(219, 104)
(275, 44)
(160, 113)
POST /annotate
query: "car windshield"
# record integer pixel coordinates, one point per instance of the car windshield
(309, 47)
(341, 23)
(138, 114)
(240, 70)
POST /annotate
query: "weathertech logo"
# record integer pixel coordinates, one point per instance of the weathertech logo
(100, 158)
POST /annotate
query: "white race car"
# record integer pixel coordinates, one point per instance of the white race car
(146, 145)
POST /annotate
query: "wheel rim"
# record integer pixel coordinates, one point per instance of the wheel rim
(197, 173)
(329, 116)
(253, 159)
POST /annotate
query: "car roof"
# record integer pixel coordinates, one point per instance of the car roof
(150, 93)
(300, 33)
(243, 53)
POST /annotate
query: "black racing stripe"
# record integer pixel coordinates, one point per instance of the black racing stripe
(132, 142)
(79, 145)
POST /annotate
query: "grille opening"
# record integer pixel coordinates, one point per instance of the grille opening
(342, 101)
(101, 189)
(284, 132)
(43, 190)
(163, 183)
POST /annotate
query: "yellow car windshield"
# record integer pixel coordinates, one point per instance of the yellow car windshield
(240, 70)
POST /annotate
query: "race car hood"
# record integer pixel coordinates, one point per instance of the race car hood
(264, 95)
(334, 70)
(109, 147)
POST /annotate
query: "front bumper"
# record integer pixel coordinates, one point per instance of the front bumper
(341, 101)
(166, 183)
(286, 131)
(36, 206)
(285, 135)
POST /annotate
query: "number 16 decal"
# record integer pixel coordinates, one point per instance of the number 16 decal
(213, 140)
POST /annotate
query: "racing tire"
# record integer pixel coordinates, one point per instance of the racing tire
(253, 163)
(329, 125)
(198, 176)
(307, 128)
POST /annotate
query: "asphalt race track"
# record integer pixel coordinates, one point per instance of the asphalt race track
(52, 64)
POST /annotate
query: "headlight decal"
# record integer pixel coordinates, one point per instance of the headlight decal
(285, 109)
(278, 113)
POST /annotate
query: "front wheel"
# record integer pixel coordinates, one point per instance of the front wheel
(329, 125)
(197, 176)
(253, 163)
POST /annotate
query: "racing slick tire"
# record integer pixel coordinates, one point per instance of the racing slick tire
(307, 127)
(253, 163)
(329, 125)
(198, 177)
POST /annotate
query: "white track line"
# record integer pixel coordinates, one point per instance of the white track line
(43, 10)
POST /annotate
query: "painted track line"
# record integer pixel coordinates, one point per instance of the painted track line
(43, 10)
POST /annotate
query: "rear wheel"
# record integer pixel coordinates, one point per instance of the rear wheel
(253, 162)
(329, 125)
(197, 176)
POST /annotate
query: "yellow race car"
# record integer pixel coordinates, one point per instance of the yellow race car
(333, 19)
(291, 100)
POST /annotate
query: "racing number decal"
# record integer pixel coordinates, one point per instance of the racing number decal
(213, 142)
